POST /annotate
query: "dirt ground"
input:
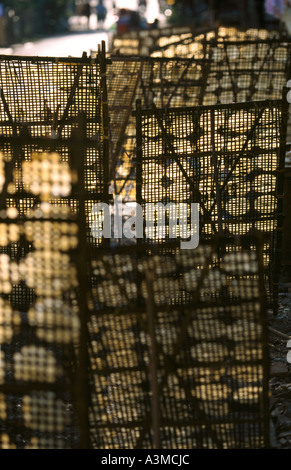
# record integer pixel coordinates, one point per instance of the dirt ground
(280, 368)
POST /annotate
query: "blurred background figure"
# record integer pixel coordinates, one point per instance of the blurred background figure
(124, 20)
(87, 13)
(83, 13)
(142, 5)
(281, 10)
(101, 12)
(155, 24)
(130, 20)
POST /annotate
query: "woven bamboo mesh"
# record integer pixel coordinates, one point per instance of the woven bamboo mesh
(227, 158)
(171, 41)
(200, 321)
(247, 71)
(122, 81)
(39, 316)
(165, 82)
(140, 43)
(209, 320)
(53, 170)
(42, 98)
(191, 44)
(224, 71)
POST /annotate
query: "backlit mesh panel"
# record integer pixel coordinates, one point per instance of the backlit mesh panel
(124, 180)
(226, 158)
(125, 45)
(190, 45)
(172, 82)
(176, 41)
(42, 97)
(240, 70)
(141, 42)
(39, 315)
(247, 71)
(215, 71)
(53, 118)
(250, 34)
(165, 82)
(122, 80)
(178, 349)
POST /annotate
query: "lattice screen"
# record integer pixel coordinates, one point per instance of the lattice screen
(178, 41)
(229, 159)
(208, 320)
(191, 45)
(173, 82)
(39, 313)
(122, 79)
(222, 72)
(247, 71)
(42, 97)
(45, 225)
(141, 42)
(178, 349)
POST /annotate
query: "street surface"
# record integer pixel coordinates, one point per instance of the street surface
(81, 38)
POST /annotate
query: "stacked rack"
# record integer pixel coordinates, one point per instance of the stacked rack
(178, 348)
(168, 344)
(215, 71)
(54, 167)
(228, 159)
